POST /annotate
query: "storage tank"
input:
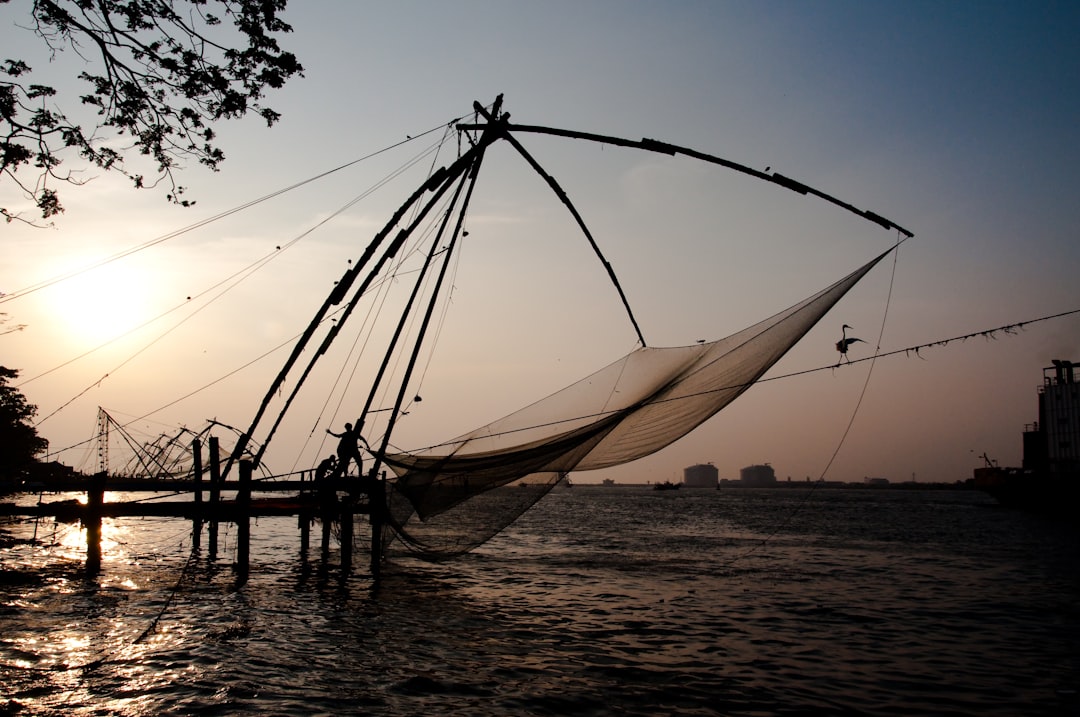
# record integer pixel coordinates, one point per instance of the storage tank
(758, 475)
(703, 475)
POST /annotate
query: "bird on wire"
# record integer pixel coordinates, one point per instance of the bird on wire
(844, 343)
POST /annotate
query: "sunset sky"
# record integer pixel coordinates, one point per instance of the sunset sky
(958, 121)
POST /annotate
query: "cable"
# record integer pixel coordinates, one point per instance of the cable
(239, 277)
(1009, 329)
(870, 372)
(11, 296)
(843, 436)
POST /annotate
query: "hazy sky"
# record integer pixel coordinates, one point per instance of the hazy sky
(959, 121)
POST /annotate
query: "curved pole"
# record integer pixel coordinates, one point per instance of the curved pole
(446, 182)
(653, 145)
(426, 321)
(485, 140)
(403, 320)
(561, 194)
(438, 182)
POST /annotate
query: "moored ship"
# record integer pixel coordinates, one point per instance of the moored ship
(1049, 477)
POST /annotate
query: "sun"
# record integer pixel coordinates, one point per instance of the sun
(102, 304)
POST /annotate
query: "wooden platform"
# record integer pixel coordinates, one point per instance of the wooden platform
(328, 499)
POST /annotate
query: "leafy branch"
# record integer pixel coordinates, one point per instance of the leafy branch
(164, 74)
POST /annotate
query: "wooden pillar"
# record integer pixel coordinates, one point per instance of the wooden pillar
(215, 496)
(346, 538)
(243, 522)
(327, 505)
(197, 475)
(377, 508)
(95, 498)
(303, 521)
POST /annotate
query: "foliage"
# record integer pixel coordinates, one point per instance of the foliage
(4, 320)
(19, 441)
(168, 70)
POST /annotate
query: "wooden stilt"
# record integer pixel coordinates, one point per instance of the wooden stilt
(303, 522)
(324, 550)
(95, 498)
(346, 539)
(327, 509)
(376, 507)
(215, 496)
(197, 476)
(243, 522)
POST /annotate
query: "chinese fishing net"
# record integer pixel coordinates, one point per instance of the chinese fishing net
(449, 500)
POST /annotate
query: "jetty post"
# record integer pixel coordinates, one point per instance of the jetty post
(346, 537)
(243, 521)
(327, 502)
(303, 521)
(95, 499)
(197, 476)
(215, 496)
(376, 506)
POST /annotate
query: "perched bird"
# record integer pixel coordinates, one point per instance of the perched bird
(843, 344)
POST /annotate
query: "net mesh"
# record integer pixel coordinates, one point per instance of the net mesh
(450, 499)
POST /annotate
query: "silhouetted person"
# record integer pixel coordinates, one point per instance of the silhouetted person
(326, 467)
(348, 448)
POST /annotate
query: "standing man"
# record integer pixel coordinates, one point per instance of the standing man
(349, 448)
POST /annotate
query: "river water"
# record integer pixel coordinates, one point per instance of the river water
(598, 601)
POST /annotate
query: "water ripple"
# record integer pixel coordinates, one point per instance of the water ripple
(703, 603)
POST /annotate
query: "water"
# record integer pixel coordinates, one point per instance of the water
(599, 601)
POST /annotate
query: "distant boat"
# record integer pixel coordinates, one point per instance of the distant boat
(1049, 479)
(667, 485)
(1027, 490)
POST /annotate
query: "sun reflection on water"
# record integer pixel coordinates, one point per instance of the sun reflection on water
(70, 541)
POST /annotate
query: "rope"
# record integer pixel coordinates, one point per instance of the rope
(203, 222)
(843, 437)
(1009, 329)
(237, 278)
(869, 373)
(168, 601)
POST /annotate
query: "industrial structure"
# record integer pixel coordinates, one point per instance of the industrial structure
(758, 475)
(703, 475)
(1052, 445)
(1049, 477)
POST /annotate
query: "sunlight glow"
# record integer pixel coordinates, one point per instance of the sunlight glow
(101, 304)
(74, 541)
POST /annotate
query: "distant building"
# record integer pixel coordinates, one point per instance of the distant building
(1052, 446)
(876, 481)
(758, 475)
(703, 475)
(1049, 479)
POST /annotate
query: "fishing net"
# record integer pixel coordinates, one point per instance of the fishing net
(451, 499)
